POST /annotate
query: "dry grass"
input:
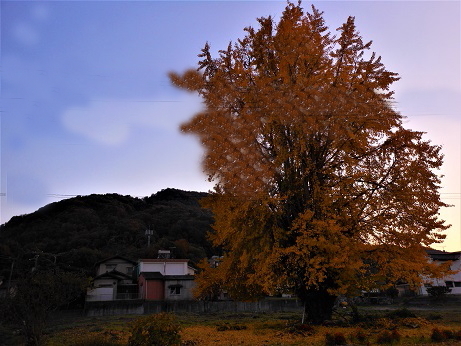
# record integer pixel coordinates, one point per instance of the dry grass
(263, 329)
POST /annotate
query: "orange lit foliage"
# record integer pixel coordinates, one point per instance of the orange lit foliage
(320, 190)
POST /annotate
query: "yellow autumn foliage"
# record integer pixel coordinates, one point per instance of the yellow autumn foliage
(319, 188)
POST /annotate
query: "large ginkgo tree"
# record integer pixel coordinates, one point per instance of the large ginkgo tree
(319, 188)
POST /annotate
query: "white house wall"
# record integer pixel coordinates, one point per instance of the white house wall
(186, 289)
(165, 268)
(455, 280)
(117, 264)
(105, 282)
(100, 294)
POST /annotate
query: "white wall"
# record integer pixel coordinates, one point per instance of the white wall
(100, 294)
(166, 268)
(117, 264)
(186, 289)
(455, 280)
(105, 282)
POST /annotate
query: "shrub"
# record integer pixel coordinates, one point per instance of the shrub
(95, 340)
(448, 334)
(300, 329)
(457, 335)
(360, 335)
(155, 330)
(437, 335)
(335, 339)
(443, 335)
(387, 337)
(238, 327)
(224, 327)
(189, 343)
(438, 291)
(304, 327)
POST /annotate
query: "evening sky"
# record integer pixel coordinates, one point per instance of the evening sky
(87, 107)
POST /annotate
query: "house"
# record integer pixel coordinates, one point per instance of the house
(114, 280)
(453, 281)
(165, 278)
(162, 278)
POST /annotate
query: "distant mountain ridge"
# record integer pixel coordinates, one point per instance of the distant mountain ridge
(82, 230)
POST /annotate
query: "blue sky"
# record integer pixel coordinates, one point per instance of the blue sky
(86, 105)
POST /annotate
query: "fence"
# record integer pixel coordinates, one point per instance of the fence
(139, 307)
(125, 296)
(110, 296)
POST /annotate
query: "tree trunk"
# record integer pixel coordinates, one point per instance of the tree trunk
(318, 305)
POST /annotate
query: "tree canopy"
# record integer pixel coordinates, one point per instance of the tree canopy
(320, 189)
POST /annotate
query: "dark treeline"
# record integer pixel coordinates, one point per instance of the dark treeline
(76, 233)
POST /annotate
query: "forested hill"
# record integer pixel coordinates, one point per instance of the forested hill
(82, 230)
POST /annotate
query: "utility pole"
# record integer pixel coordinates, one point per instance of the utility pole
(9, 279)
(35, 259)
(149, 233)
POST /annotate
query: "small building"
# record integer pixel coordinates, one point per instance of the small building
(113, 281)
(453, 281)
(165, 278)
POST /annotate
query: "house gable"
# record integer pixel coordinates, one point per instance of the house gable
(113, 275)
(117, 263)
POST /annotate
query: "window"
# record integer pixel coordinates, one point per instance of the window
(449, 283)
(175, 290)
(457, 283)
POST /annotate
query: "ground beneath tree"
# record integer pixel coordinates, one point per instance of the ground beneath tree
(281, 329)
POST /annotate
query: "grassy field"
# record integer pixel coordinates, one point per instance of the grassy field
(404, 323)
(379, 325)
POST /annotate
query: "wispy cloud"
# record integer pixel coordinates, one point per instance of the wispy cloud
(26, 34)
(110, 122)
